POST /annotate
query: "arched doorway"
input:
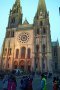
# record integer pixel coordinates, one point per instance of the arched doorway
(15, 64)
(21, 65)
(29, 66)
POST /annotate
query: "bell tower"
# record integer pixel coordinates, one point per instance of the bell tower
(15, 17)
(43, 52)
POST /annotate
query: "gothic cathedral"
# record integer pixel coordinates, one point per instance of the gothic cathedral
(28, 46)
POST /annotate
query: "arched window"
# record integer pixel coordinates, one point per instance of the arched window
(43, 48)
(12, 20)
(8, 34)
(12, 33)
(17, 53)
(15, 64)
(37, 31)
(37, 48)
(8, 62)
(41, 23)
(23, 51)
(10, 51)
(44, 31)
(28, 53)
(55, 51)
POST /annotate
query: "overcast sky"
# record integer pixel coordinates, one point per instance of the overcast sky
(29, 8)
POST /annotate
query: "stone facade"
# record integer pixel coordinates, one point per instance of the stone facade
(28, 46)
(16, 46)
(42, 38)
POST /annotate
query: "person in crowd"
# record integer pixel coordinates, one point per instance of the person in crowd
(43, 85)
(55, 84)
(5, 82)
(13, 84)
(57, 78)
(26, 82)
(9, 83)
(22, 86)
(29, 86)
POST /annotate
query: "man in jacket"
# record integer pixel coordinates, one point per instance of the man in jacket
(43, 82)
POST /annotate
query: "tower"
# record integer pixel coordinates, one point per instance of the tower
(15, 17)
(42, 40)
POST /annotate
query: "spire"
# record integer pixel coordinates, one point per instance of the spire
(42, 6)
(25, 22)
(17, 2)
(15, 17)
(41, 10)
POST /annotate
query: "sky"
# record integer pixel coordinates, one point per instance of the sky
(29, 8)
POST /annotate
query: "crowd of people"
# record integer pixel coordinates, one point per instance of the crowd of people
(9, 83)
(56, 83)
(26, 83)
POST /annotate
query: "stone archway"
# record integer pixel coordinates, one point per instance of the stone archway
(22, 65)
(29, 65)
(15, 64)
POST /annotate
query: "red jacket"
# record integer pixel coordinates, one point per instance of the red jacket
(55, 85)
(9, 85)
(13, 86)
(29, 85)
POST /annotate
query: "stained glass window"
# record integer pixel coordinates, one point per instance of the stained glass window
(17, 53)
(23, 51)
(28, 53)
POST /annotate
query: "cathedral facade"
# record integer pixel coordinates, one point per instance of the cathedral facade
(28, 46)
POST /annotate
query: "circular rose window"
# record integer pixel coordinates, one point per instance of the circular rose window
(23, 37)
